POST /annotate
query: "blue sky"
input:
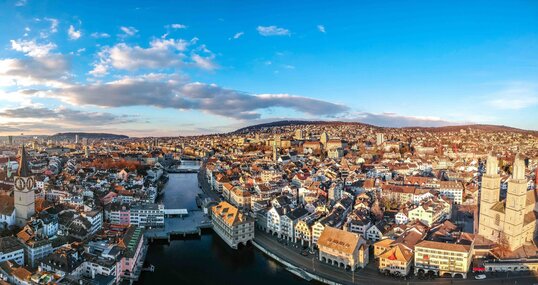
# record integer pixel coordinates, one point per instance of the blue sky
(189, 67)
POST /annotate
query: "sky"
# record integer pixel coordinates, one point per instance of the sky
(168, 68)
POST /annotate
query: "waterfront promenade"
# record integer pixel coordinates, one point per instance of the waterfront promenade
(369, 275)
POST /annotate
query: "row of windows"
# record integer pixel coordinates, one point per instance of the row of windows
(444, 253)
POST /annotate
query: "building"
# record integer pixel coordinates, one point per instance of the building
(132, 247)
(24, 195)
(303, 229)
(380, 138)
(430, 212)
(11, 249)
(289, 221)
(452, 190)
(7, 210)
(342, 248)
(397, 260)
(147, 215)
(231, 225)
(240, 198)
(510, 265)
(96, 220)
(443, 259)
(510, 222)
(274, 216)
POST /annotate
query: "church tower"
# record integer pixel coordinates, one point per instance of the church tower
(24, 191)
(86, 152)
(516, 198)
(324, 139)
(489, 224)
(275, 152)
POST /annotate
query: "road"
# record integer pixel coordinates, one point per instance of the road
(370, 274)
(204, 185)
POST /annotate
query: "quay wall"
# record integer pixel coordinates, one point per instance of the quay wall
(294, 269)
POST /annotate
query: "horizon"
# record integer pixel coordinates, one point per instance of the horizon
(181, 68)
(255, 125)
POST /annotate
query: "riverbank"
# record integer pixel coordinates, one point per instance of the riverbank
(292, 268)
(206, 259)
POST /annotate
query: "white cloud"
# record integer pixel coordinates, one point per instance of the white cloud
(514, 96)
(128, 31)
(73, 34)
(21, 3)
(32, 48)
(100, 35)
(272, 31)
(78, 51)
(63, 115)
(238, 35)
(53, 24)
(394, 120)
(161, 53)
(204, 62)
(178, 26)
(321, 28)
(51, 70)
(99, 69)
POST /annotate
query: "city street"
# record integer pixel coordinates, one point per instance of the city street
(370, 274)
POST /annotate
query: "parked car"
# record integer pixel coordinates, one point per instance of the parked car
(480, 277)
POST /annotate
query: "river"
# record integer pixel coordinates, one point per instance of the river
(206, 260)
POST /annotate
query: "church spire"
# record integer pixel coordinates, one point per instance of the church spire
(23, 164)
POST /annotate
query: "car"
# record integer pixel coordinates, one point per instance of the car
(304, 253)
(480, 277)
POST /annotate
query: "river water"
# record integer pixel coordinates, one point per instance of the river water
(207, 260)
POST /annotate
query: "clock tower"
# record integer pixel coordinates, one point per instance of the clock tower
(24, 191)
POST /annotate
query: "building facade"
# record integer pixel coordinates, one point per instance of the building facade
(231, 225)
(443, 259)
(343, 249)
(510, 222)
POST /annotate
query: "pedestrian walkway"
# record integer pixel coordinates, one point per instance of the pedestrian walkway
(193, 223)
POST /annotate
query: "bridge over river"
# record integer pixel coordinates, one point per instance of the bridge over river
(191, 224)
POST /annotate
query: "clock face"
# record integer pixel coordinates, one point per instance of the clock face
(19, 184)
(30, 183)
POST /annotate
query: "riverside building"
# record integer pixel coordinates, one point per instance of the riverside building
(231, 225)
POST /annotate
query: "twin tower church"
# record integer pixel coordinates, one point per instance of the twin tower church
(510, 222)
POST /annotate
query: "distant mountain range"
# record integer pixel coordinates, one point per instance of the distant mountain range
(488, 128)
(90, 136)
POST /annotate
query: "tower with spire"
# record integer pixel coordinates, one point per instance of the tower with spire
(24, 196)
